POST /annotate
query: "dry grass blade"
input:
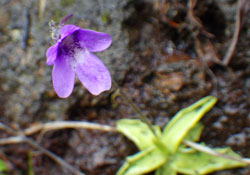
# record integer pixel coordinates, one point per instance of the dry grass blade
(56, 125)
(86, 125)
(42, 5)
(12, 140)
(196, 21)
(214, 153)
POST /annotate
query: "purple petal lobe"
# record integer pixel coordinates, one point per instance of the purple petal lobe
(92, 73)
(63, 77)
(92, 40)
(51, 54)
(67, 30)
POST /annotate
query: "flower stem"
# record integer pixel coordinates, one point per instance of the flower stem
(143, 117)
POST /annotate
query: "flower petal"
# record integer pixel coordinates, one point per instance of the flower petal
(63, 77)
(92, 40)
(93, 73)
(51, 54)
(67, 30)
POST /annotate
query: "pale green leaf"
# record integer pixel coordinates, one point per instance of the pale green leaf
(138, 132)
(196, 162)
(166, 169)
(184, 121)
(144, 162)
(195, 133)
(3, 166)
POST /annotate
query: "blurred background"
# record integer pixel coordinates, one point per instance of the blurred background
(165, 55)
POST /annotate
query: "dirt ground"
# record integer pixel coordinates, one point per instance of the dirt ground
(165, 56)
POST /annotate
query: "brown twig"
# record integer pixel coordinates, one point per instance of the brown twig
(195, 20)
(242, 8)
(19, 137)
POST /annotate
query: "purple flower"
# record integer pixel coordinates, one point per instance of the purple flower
(72, 54)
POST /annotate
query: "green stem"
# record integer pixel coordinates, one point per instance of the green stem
(136, 109)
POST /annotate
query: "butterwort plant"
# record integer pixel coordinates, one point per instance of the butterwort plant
(73, 55)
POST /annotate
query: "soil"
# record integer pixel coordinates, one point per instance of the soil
(160, 58)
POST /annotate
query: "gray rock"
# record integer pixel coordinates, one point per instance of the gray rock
(25, 79)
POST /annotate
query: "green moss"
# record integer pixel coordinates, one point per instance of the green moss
(66, 3)
(106, 17)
